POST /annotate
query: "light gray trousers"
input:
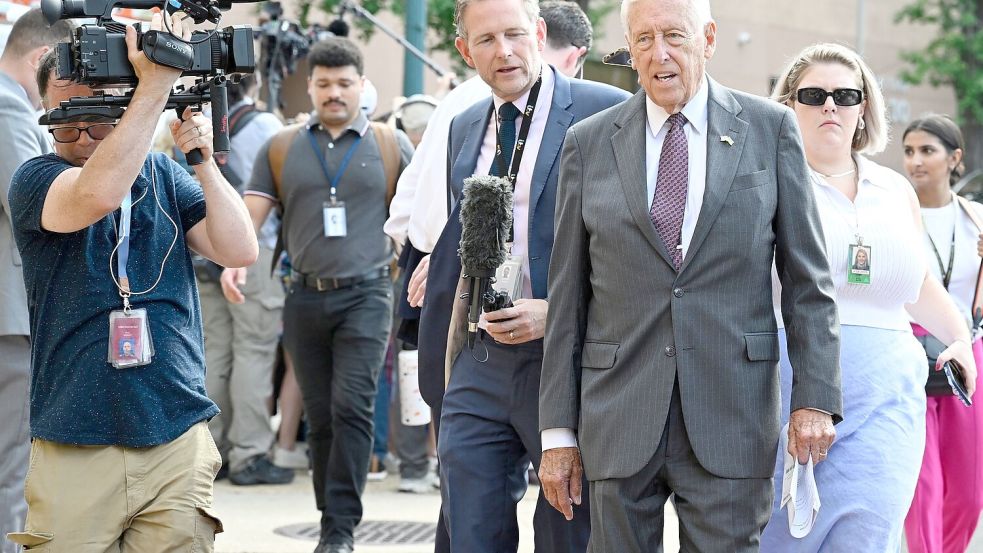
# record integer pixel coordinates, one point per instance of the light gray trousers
(240, 348)
(15, 435)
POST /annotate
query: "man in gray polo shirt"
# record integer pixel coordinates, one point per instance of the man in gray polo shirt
(337, 316)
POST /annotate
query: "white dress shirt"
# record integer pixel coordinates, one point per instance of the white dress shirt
(523, 180)
(419, 208)
(657, 128)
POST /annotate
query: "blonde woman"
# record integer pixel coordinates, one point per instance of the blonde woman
(868, 479)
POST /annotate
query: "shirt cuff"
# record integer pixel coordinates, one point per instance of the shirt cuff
(553, 438)
(819, 410)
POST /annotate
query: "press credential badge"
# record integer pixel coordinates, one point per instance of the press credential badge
(335, 220)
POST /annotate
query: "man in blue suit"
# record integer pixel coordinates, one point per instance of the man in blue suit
(489, 413)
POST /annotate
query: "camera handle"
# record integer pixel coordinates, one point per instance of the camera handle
(218, 94)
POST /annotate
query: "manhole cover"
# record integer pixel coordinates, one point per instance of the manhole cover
(371, 532)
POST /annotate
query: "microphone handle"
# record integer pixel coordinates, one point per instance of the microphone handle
(476, 292)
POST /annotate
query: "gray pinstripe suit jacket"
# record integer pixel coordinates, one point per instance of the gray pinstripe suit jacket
(623, 324)
(20, 140)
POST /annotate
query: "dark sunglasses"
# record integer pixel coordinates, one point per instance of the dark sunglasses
(841, 96)
(65, 135)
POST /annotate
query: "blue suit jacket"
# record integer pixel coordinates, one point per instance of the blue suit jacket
(573, 100)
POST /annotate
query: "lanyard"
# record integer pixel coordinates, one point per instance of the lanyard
(945, 271)
(123, 249)
(332, 181)
(518, 150)
(855, 224)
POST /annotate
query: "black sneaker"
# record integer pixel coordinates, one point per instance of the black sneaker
(260, 470)
(333, 548)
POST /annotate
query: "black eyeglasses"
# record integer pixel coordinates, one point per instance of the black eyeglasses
(841, 96)
(65, 135)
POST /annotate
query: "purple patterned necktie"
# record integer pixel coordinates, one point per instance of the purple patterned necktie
(669, 203)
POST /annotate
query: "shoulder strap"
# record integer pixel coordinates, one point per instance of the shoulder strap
(241, 117)
(279, 146)
(385, 137)
(977, 305)
(238, 119)
(967, 207)
(277, 157)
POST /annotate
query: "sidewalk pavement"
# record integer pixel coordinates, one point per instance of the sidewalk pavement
(251, 514)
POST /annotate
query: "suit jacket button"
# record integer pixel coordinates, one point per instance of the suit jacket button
(678, 292)
(670, 351)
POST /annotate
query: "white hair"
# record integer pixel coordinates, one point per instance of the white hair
(700, 7)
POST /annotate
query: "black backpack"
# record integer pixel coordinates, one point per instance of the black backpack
(238, 119)
(205, 269)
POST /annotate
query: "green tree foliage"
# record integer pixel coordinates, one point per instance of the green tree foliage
(954, 57)
(440, 19)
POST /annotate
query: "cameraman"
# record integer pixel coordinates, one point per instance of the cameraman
(144, 481)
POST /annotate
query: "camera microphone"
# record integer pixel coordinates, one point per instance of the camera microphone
(339, 27)
(486, 217)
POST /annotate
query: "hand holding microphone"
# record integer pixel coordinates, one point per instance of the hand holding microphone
(486, 217)
(523, 322)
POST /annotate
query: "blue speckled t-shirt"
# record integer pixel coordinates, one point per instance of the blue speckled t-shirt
(77, 397)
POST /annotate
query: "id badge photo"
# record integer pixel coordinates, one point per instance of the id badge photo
(130, 343)
(508, 277)
(335, 220)
(858, 264)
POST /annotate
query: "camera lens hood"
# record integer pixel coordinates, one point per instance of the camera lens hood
(52, 10)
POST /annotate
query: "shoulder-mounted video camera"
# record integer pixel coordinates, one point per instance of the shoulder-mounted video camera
(97, 58)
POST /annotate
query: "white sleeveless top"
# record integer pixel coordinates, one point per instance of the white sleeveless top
(882, 215)
(943, 224)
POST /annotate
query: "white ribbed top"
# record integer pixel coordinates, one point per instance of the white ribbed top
(882, 214)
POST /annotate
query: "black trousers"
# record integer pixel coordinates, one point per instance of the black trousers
(338, 343)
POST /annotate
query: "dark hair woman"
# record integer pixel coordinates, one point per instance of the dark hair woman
(948, 499)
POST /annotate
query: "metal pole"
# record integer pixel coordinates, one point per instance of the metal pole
(349, 5)
(861, 27)
(416, 29)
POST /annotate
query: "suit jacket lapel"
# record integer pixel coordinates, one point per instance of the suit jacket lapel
(628, 142)
(722, 160)
(553, 134)
(467, 157)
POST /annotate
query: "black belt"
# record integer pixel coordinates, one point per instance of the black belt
(326, 284)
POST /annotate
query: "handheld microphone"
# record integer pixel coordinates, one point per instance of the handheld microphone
(486, 217)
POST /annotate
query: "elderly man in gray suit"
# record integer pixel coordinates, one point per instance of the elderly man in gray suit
(20, 139)
(661, 349)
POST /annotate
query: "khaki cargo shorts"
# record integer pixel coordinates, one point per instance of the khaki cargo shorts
(112, 499)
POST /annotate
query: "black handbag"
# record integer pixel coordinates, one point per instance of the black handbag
(937, 384)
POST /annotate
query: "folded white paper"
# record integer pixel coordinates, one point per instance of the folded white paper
(799, 492)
